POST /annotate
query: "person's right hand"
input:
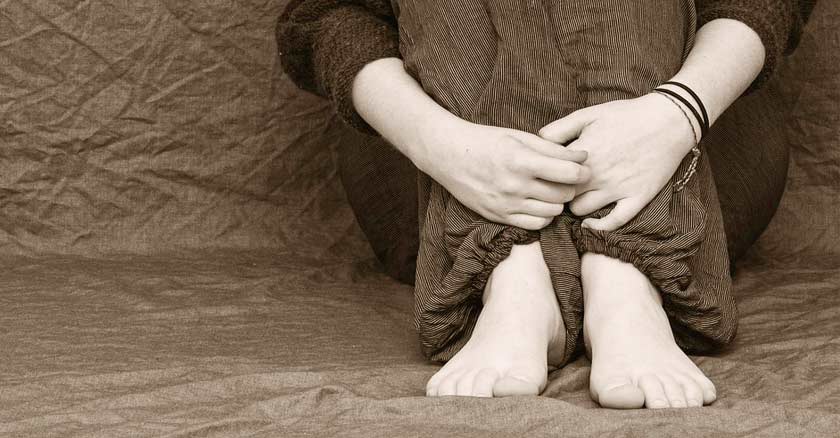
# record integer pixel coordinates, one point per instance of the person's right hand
(505, 175)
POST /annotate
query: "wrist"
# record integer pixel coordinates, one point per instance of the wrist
(678, 117)
(435, 134)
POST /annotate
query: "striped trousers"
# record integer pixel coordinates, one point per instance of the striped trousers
(522, 64)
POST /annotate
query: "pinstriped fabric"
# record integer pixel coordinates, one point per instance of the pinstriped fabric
(522, 64)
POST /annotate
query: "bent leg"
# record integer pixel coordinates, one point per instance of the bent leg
(657, 284)
(518, 333)
(381, 187)
(677, 242)
(748, 151)
(635, 359)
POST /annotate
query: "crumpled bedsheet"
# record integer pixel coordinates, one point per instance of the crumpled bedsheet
(177, 257)
(279, 345)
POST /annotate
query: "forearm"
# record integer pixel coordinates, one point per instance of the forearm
(397, 107)
(727, 56)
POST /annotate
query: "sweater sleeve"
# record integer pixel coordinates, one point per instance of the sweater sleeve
(323, 44)
(779, 24)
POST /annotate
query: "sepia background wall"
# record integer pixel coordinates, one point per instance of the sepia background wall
(166, 125)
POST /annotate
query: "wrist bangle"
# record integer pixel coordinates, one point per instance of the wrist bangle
(696, 99)
(687, 117)
(703, 125)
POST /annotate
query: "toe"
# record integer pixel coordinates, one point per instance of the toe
(674, 391)
(708, 388)
(434, 382)
(464, 386)
(448, 386)
(618, 393)
(655, 397)
(509, 386)
(484, 381)
(692, 390)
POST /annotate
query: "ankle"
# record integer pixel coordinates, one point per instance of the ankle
(520, 289)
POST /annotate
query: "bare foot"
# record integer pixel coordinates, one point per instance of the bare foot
(517, 333)
(635, 360)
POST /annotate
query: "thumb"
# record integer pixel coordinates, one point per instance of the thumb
(624, 211)
(563, 131)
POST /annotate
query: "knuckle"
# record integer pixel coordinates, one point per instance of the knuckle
(577, 172)
(515, 163)
(509, 186)
(567, 194)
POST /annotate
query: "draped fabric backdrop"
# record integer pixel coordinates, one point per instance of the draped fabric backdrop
(177, 255)
(151, 126)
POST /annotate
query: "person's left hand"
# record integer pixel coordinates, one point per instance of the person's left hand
(634, 148)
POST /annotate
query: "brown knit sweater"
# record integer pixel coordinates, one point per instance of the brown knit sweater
(324, 43)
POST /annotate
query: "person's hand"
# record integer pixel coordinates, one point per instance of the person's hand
(505, 175)
(634, 147)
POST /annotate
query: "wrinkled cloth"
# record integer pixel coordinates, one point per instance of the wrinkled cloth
(130, 130)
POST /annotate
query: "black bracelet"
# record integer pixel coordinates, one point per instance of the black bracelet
(704, 127)
(695, 97)
(685, 114)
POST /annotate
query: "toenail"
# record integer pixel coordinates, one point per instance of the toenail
(659, 404)
(677, 404)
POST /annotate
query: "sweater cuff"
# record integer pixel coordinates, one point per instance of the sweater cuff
(350, 38)
(772, 24)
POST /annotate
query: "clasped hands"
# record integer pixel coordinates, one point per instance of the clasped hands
(621, 152)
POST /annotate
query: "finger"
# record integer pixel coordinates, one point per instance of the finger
(534, 207)
(624, 211)
(528, 222)
(550, 192)
(591, 202)
(557, 170)
(555, 150)
(568, 128)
